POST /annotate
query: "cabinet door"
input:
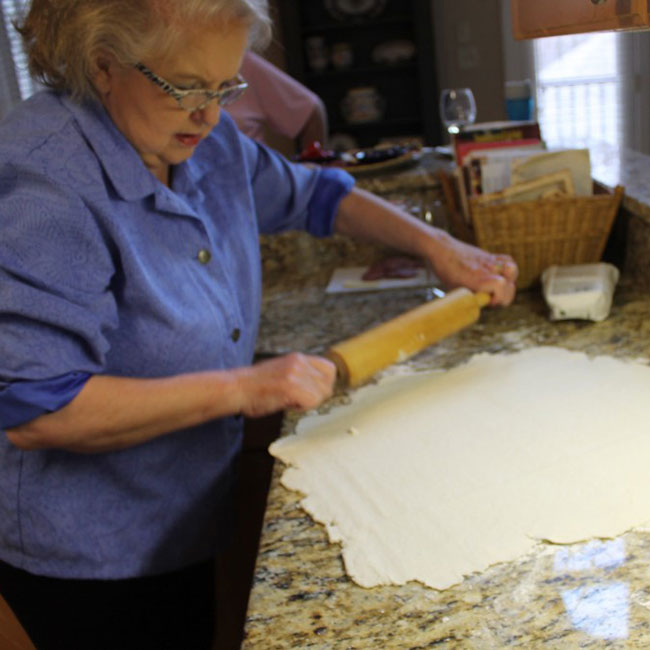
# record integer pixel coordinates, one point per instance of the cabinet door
(534, 18)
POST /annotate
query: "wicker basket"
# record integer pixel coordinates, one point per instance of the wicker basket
(539, 234)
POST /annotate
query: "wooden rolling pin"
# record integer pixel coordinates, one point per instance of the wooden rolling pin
(360, 357)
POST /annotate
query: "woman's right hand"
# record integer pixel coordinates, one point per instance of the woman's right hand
(112, 413)
(294, 381)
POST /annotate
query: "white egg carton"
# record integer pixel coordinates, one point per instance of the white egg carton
(581, 291)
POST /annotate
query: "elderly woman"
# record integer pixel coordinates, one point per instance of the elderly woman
(130, 209)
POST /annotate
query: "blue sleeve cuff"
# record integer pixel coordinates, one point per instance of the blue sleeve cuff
(333, 185)
(22, 401)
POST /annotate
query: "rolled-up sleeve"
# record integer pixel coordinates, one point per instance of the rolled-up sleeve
(22, 401)
(293, 196)
(332, 186)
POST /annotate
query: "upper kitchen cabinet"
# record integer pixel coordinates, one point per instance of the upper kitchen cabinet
(372, 63)
(535, 18)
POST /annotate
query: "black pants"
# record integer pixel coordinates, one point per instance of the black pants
(174, 611)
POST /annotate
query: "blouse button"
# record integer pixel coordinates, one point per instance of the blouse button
(204, 256)
(235, 334)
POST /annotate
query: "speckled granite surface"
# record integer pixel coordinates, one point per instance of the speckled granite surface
(612, 166)
(593, 595)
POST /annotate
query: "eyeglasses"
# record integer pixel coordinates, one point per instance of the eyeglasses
(197, 100)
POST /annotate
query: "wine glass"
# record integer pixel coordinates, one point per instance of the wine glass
(457, 108)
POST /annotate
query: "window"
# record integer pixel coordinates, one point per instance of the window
(594, 86)
(579, 89)
(17, 83)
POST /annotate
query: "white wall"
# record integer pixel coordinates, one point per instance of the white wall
(518, 59)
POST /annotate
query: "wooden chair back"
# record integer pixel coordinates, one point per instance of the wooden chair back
(12, 633)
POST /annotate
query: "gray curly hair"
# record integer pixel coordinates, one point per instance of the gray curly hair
(62, 37)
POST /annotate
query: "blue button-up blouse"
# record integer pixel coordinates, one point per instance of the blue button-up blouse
(105, 270)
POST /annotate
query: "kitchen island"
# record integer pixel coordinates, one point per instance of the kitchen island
(592, 594)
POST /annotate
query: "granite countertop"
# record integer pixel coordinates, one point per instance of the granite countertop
(585, 595)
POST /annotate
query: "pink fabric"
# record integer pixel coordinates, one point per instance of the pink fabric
(273, 98)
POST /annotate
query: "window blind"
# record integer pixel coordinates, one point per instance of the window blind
(579, 88)
(12, 10)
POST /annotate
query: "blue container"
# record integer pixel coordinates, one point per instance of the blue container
(520, 109)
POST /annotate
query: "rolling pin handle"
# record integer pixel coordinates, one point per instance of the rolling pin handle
(342, 370)
(482, 298)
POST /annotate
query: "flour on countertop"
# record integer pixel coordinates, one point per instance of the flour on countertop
(461, 469)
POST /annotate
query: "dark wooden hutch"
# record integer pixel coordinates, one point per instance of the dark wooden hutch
(407, 87)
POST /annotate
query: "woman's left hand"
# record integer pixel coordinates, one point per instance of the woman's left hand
(366, 216)
(459, 264)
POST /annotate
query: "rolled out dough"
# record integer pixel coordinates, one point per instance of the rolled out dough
(452, 471)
